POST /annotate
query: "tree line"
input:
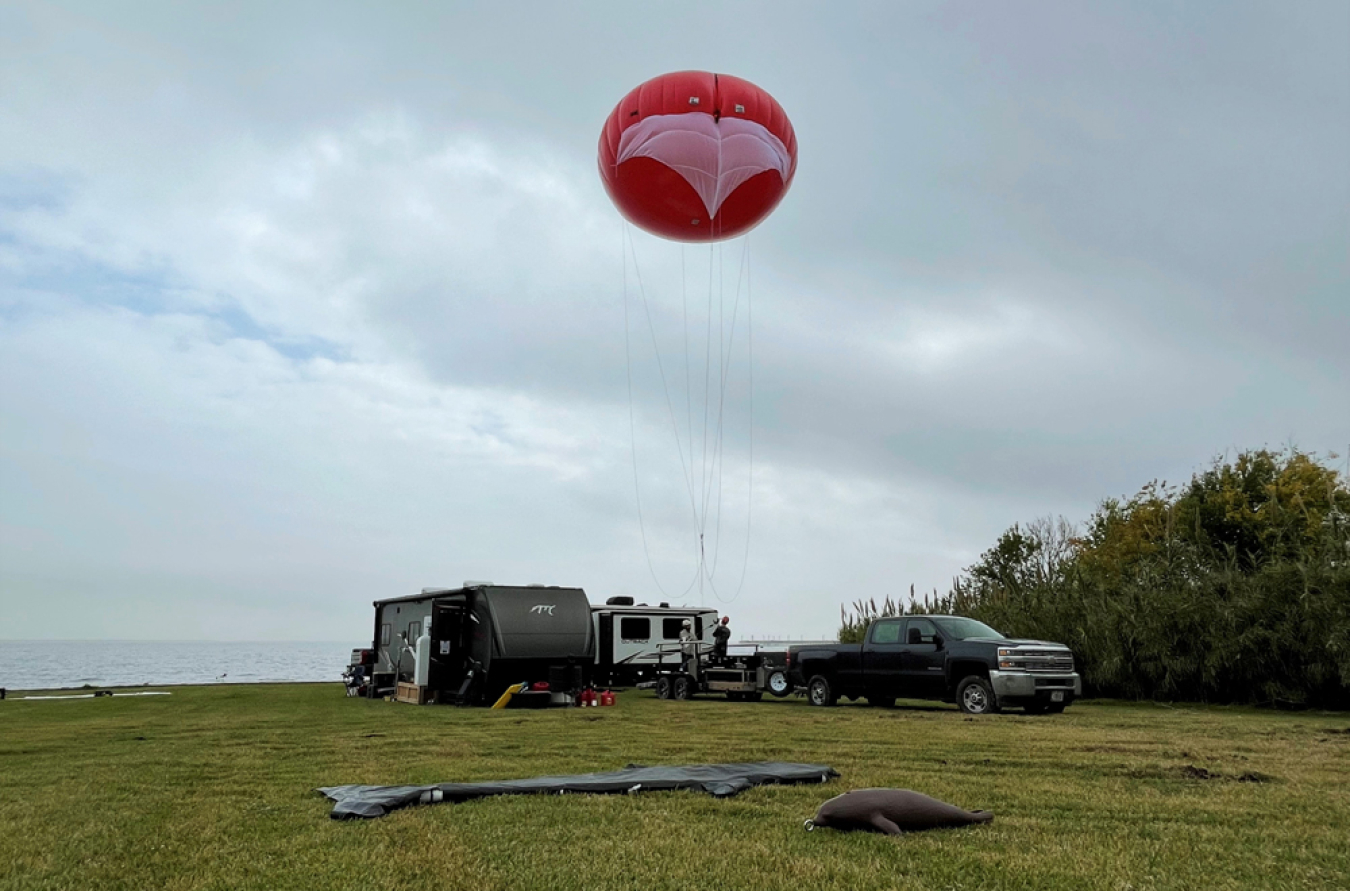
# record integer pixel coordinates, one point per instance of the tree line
(1233, 588)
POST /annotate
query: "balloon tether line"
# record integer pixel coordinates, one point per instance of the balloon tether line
(660, 366)
(710, 471)
(745, 270)
(632, 423)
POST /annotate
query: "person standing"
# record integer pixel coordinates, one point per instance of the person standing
(688, 646)
(721, 636)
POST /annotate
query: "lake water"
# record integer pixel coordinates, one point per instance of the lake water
(42, 665)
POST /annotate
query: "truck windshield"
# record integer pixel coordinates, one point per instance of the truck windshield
(959, 628)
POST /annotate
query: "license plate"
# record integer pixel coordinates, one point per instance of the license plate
(1057, 696)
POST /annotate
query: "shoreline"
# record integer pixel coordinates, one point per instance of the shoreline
(87, 688)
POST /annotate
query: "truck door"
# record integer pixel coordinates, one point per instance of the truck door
(922, 662)
(881, 659)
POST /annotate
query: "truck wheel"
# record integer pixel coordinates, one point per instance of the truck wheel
(778, 683)
(881, 701)
(974, 696)
(684, 687)
(819, 692)
(663, 687)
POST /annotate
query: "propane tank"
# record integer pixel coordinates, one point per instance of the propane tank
(422, 656)
(607, 698)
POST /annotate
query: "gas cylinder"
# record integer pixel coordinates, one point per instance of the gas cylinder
(422, 657)
(607, 698)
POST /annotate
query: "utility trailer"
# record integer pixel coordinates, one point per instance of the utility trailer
(744, 674)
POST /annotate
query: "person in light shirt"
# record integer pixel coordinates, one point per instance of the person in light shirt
(688, 645)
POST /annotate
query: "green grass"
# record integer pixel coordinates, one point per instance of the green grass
(212, 787)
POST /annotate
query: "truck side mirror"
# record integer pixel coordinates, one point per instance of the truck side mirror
(937, 641)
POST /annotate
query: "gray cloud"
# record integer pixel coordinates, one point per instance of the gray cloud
(304, 307)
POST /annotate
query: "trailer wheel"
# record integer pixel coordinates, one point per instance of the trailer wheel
(684, 687)
(819, 691)
(778, 683)
(663, 687)
(974, 696)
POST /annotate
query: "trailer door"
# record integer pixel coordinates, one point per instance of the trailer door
(449, 650)
(604, 652)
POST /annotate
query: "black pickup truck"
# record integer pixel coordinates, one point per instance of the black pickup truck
(950, 658)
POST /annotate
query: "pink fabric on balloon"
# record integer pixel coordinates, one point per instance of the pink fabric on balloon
(714, 157)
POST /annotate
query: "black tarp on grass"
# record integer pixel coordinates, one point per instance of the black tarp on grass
(718, 780)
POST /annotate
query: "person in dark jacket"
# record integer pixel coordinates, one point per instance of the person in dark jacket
(721, 635)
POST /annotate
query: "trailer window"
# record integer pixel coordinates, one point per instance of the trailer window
(414, 630)
(670, 628)
(384, 635)
(635, 629)
(886, 633)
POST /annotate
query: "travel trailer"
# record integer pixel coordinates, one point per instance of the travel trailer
(630, 637)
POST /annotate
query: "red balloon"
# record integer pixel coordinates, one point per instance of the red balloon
(695, 156)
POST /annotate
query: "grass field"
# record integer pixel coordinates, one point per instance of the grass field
(212, 787)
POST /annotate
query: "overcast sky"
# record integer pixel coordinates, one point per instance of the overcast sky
(303, 306)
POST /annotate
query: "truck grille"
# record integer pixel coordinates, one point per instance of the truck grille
(1047, 661)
